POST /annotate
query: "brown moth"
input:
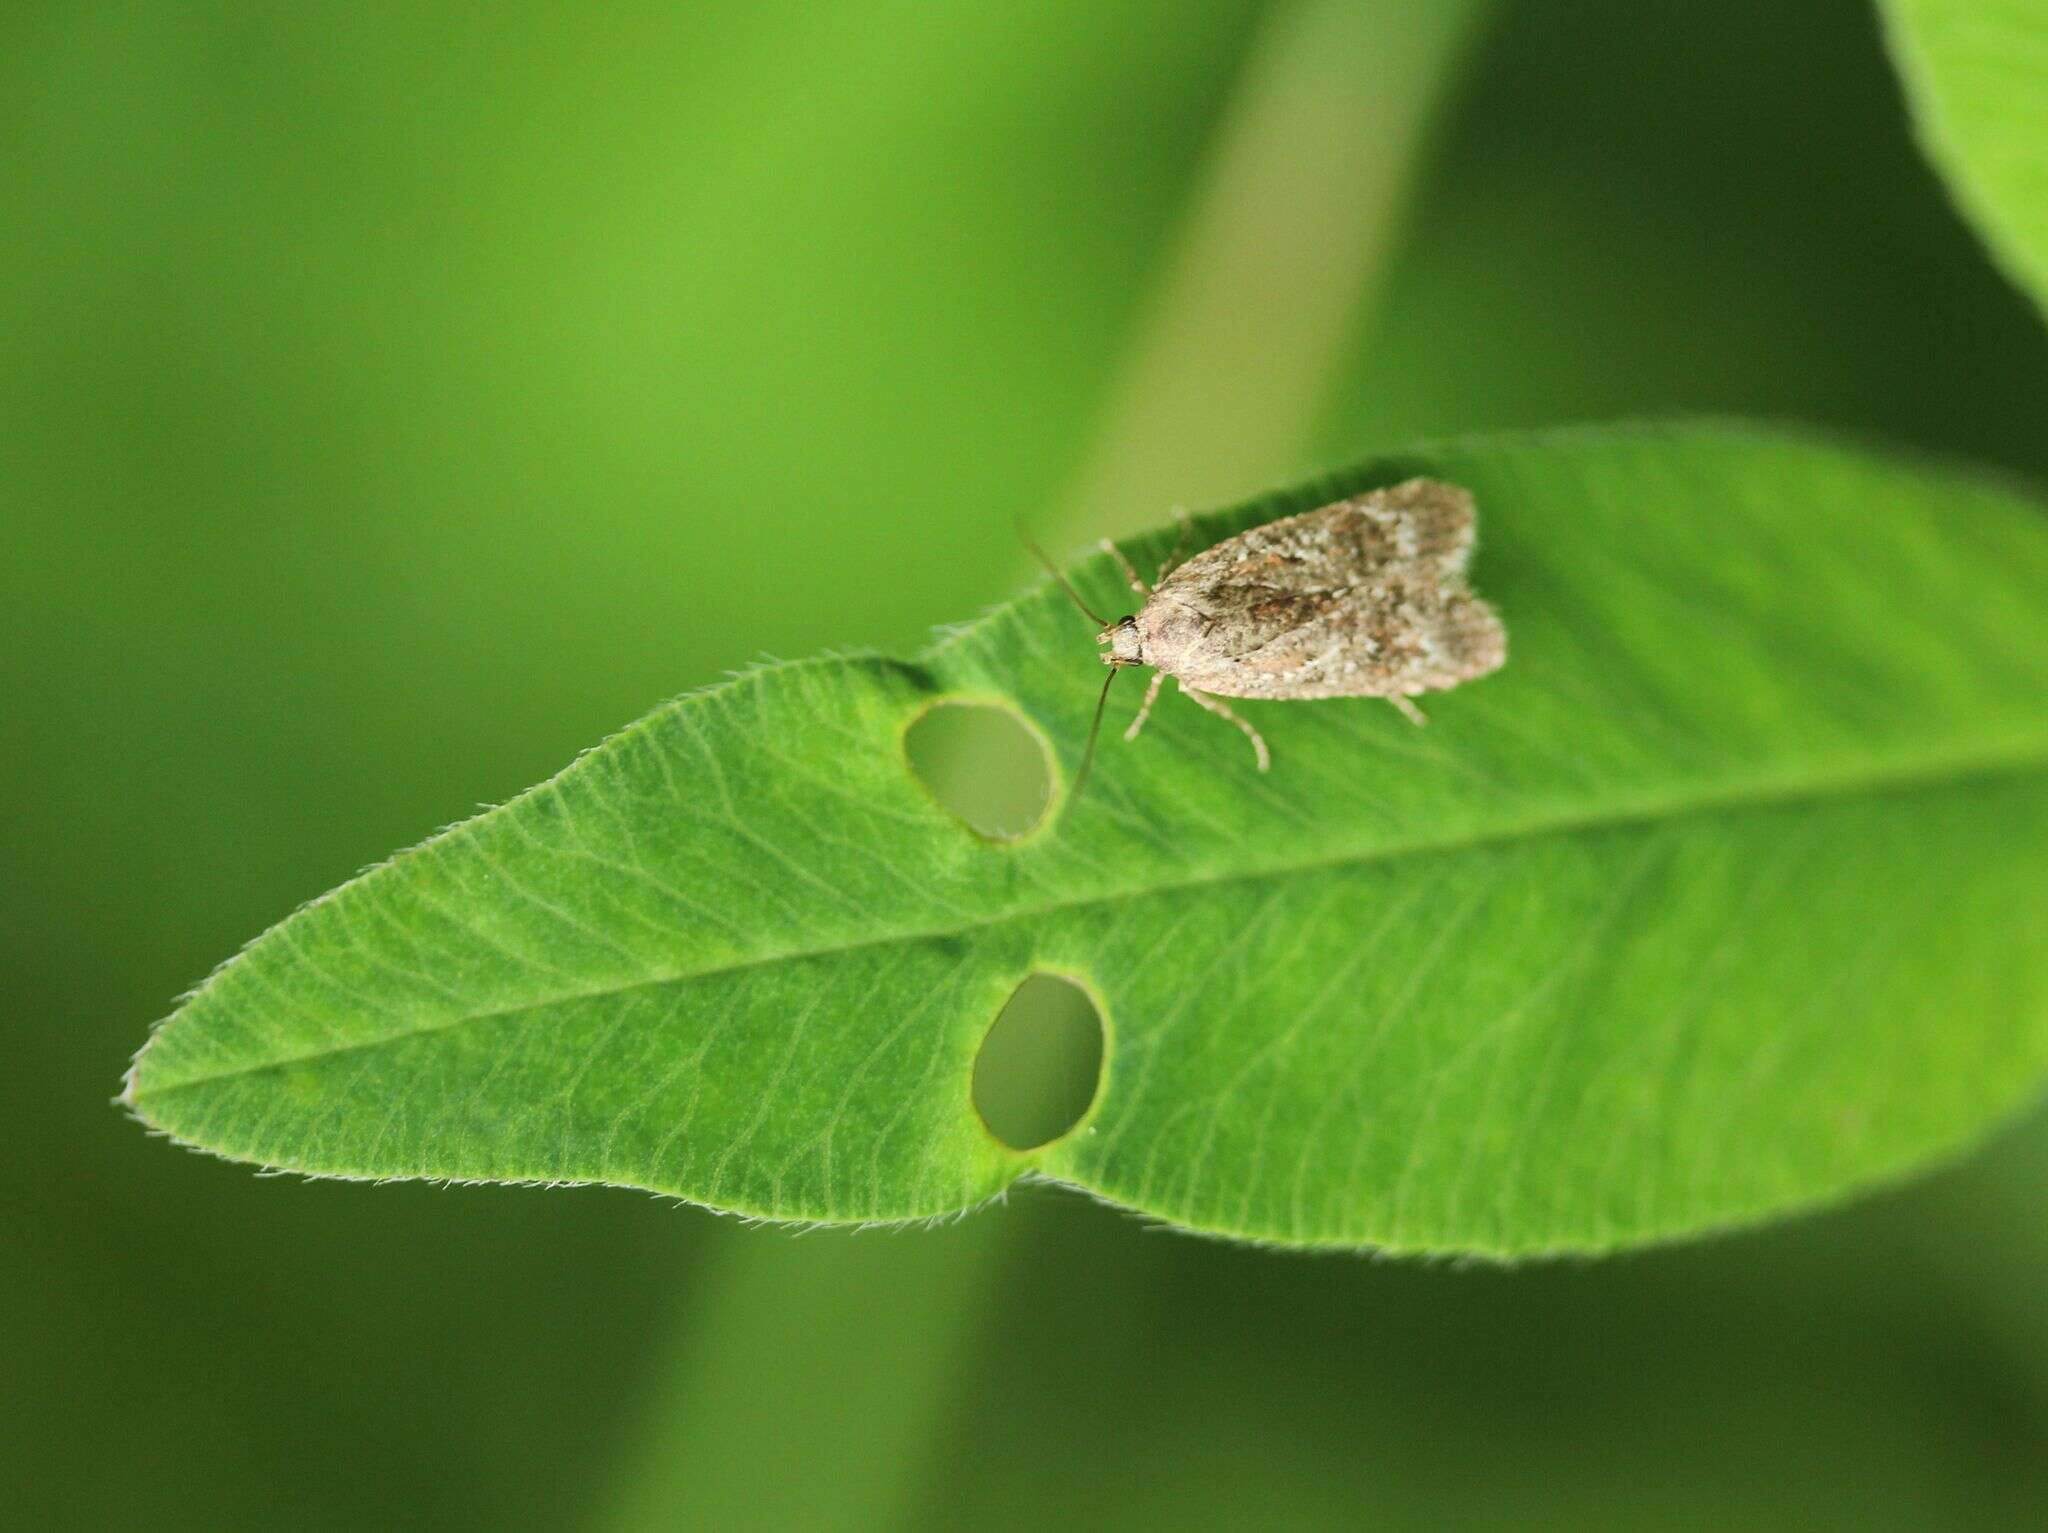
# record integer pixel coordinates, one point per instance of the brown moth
(1365, 597)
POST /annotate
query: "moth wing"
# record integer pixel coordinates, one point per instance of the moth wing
(1423, 646)
(1364, 597)
(1433, 519)
(1339, 546)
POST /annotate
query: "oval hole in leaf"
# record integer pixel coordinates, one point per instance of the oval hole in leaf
(1040, 1065)
(983, 766)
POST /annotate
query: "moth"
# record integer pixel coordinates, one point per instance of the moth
(1365, 597)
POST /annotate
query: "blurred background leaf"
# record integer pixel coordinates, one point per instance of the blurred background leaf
(1977, 74)
(396, 402)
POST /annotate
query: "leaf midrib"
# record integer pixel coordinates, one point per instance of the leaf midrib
(1899, 780)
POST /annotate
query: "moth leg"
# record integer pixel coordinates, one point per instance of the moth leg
(1409, 711)
(1145, 708)
(1180, 547)
(1222, 711)
(1125, 565)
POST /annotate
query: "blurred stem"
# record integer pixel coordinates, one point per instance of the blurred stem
(1281, 257)
(807, 1382)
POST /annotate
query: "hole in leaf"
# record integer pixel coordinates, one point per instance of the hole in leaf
(983, 766)
(1040, 1064)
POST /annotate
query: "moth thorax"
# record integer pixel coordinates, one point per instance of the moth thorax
(1121, 637)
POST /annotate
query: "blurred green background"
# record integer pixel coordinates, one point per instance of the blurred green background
(397, 398)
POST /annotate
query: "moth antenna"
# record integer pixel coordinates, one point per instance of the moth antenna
(1088, 750)
(1053, 570)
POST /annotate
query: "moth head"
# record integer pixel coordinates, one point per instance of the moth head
(1120, 641)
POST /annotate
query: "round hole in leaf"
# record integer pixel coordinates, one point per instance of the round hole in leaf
(1041, 1063)
(983, 766)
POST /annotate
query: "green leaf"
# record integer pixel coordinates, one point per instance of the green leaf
(1976, 72)
(1723, 897)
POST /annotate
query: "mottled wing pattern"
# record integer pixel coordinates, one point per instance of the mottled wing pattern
(1362, 598)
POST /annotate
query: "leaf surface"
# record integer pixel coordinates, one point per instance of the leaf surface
(1723, 897)
(1976, 72)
